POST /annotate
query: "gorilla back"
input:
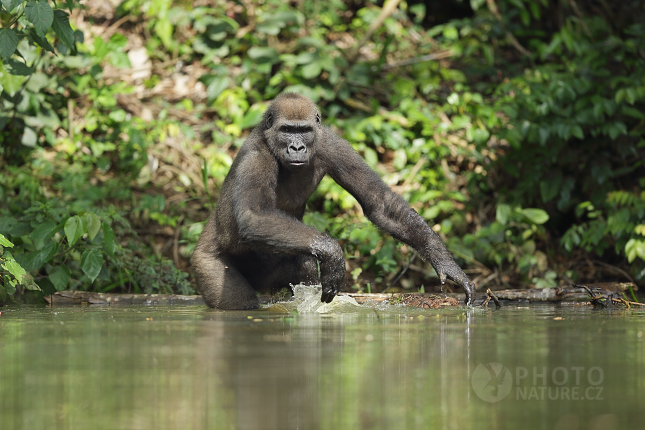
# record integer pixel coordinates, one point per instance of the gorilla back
(256, 241)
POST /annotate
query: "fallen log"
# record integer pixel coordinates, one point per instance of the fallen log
(86, 297)
(563, 294)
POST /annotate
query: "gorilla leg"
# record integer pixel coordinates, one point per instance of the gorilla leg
(222, 285)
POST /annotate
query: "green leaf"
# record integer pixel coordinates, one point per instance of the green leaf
(15, 269)
(41, 233)
(8, 43)
(108, 240)
(251, 119)
(544, 135)
(576, 131)
(215, 88)
(18, 68)
(70, 5)
(48, 252)
(91, 263)
(41, 15)
(93, 224)
(598, 110)
(10, 286)
(316, 220)
(635, 248)
(5, 242)
(12, 4)
(60, 277)
(311, 70)
(450, 33)
(164, 29)
(503, 213)
(30, 260)
(17, 229)
(63, 29)
(29, 137)
(42, 42)
(29, 283)
(263, 54)
(74, 229)
(536, 216)
(118, 115)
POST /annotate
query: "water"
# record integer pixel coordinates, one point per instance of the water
(346, 367)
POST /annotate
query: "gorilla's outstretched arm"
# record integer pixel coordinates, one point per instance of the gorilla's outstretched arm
(389, 211)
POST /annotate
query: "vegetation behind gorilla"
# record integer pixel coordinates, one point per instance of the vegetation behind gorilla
(518, 131)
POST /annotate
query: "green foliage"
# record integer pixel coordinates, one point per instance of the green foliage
(26, 34)
(518, 133)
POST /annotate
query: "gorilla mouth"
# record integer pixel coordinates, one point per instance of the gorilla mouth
(297, 163)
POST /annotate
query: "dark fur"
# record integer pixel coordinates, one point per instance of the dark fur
(255, 240)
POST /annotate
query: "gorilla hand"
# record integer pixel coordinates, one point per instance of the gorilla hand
(332, 266)
(459, 277)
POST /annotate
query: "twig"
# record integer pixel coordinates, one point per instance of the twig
(413, 172)
(596, 300)
(430, 57)
(490, 294)
(485, 302)
(112, 28)
(390, 116)
(617, 269)
(516, 44)
(388, 9)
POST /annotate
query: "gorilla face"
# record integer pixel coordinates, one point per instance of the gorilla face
(296, 141)
(292, 137)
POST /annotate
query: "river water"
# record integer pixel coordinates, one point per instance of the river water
(344, 367)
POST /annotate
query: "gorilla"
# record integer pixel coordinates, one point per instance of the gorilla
(255, 239)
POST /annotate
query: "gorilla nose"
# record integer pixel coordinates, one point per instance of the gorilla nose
(297, 147)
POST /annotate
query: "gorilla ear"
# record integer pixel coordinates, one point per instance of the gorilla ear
(268, 122)
(317, 118)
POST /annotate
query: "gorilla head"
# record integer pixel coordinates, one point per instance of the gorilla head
(291, 128)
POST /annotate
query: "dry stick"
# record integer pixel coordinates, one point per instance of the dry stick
(435, 56)
(485, 302)
(628, 303)
(388, 9)
(390, 116)
(114, 27)
(413, 172)
(516, 44)
(490, 294)
(596, 299)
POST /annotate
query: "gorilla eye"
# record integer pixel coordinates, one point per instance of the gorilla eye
(269, 121)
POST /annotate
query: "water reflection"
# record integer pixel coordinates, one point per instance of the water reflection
(393, 368)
